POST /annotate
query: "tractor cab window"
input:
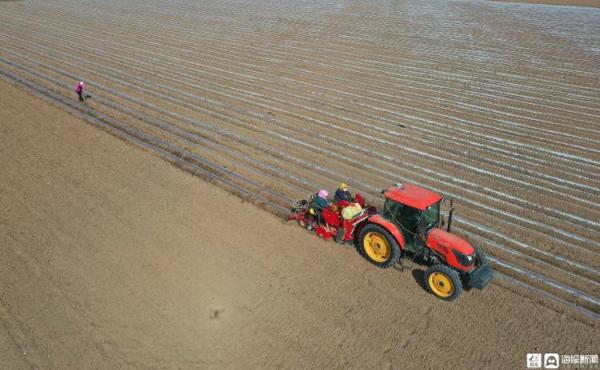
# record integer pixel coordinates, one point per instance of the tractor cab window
(431, 216)
(391, 209)
(412, 221)
(405, 217)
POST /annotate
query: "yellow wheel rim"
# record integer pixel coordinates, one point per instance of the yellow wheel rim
(441, 284)
(377, 247)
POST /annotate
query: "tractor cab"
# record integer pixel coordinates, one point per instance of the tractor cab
(414, 210)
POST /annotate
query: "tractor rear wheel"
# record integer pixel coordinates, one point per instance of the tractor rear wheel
(377, 246)
(443, 282)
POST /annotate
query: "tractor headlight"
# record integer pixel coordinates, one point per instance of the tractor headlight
(463, 259)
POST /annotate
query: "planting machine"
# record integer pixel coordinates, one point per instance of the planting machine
(409, 225)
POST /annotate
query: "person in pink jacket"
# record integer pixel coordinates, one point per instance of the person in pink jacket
(79, 91)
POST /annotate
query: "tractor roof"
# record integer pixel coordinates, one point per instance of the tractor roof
(412, 195)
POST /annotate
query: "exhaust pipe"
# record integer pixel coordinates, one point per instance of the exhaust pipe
(450, 212)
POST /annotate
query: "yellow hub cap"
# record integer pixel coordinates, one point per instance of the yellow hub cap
(377, 247)
(441, 284)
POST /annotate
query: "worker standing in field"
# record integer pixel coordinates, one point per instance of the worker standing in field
(79, 91)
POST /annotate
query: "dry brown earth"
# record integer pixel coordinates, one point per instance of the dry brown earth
(111, 258)
(496, 105)
(588, 3)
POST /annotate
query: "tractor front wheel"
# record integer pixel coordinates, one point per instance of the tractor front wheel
(443, 282)
(377, 246)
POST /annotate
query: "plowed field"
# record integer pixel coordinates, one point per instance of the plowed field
(496, 105)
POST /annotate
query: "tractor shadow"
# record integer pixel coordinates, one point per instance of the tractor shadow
(419, 276)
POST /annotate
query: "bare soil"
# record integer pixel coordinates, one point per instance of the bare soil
(588, 3)
(111, 258)
(495, 105)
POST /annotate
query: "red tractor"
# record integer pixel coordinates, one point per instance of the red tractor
(408, 226)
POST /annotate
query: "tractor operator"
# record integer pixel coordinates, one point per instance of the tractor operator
(342, 193)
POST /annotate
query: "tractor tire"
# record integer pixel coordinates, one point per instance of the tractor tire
(443, 282)
(378, 246)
